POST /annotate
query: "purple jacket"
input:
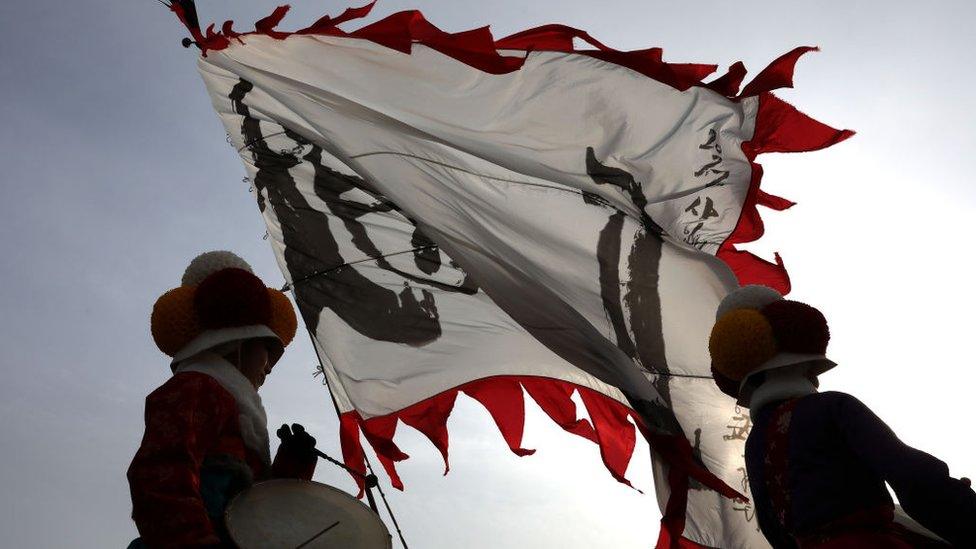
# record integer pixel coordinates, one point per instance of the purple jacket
(838, 456)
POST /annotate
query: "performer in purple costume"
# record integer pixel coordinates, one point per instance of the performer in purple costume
(818, 462)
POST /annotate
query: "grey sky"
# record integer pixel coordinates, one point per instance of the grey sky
(116, 173)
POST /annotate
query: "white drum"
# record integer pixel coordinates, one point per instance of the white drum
(901, 517)
(300, 514)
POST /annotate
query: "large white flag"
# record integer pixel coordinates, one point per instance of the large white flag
(459, 214)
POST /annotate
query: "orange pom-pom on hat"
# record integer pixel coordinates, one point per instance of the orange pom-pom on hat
(756, 330)
(284, 323)
(741, 341)
(174, 320)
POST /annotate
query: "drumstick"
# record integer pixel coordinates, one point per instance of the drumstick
(313, 538)
(371, 480)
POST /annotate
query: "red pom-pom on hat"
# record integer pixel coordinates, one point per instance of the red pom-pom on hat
(798, 327)
(232, 297)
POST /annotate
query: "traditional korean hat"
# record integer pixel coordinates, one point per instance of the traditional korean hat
(756, 330)
(219, 301)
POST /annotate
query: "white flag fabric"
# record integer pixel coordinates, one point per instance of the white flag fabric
(459, 214)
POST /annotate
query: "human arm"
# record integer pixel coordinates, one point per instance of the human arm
(944, 505)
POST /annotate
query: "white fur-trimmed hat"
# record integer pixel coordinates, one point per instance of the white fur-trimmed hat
(219, 301)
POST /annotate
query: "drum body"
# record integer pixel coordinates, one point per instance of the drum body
(293, 514)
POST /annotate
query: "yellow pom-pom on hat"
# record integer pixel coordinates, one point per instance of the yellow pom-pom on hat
(741, 341)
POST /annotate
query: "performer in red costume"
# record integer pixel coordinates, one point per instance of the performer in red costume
(206, 435)
(818, 462)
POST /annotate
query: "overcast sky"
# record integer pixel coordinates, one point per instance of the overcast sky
(115, 174)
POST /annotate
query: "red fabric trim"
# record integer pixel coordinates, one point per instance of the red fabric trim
(188, 18)
(431, 420)
(776, 464)
(779, 73)
(267, 25)
(675, 513)
(749, 268)
(780, 127)
(667, 540)
(549, 38)
(772, 201)
(503, 400)
(477, 47)
(352, 449)
(185, 11)
(612, 428)
(474, 47)
(677, 452)
(379, 432)
(648, 62)
(325, 22)
(555, 399)
(614, 433)
(227, 29)
(728, 84)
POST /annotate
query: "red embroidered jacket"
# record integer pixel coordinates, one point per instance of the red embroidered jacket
(192, 461)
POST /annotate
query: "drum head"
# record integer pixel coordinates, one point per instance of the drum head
(291, 513)
(902, 518)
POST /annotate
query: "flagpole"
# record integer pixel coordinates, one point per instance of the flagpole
(335, 405)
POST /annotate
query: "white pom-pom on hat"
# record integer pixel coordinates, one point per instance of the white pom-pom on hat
(753, 296)
(208, 263)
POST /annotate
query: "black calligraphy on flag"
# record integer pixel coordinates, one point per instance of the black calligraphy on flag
(321, 277)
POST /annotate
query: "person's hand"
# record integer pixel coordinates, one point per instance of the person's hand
(296, 440)
(296, 456)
